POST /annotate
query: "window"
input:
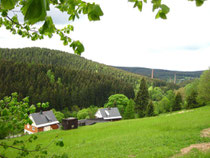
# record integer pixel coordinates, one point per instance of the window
(28, 126)
(33, 128)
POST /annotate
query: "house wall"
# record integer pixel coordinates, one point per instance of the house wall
(55, 126)
(33, 129)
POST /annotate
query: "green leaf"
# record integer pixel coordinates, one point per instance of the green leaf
(77, 47)
(156, 4)
(94, 12)
(4, 13)
(8, 4)
(199, 3)
(163, 15)
(139, 5)
(48, 27)
(165, 8)
(35, 10)
(5, 112)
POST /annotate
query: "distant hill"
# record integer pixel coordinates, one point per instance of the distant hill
(166, 75)
(62, 78)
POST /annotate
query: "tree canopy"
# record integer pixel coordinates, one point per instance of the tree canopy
(35, 11)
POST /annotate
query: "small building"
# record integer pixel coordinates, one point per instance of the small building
(42, 121)
(86, 122)
(70, 123)
(109, 114)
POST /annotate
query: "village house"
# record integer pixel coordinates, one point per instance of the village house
(108, 114)
(42, 121)
(102, 115)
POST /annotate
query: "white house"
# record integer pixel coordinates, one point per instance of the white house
(109, 114)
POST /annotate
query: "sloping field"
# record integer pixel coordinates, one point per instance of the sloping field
(161, 136)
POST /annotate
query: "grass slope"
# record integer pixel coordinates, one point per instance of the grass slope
(158, 137)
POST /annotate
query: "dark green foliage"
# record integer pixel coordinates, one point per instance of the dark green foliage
(150, 109)
(177, 102)
(62, 79)
(142, 99)
(129, 110)
(192, 100)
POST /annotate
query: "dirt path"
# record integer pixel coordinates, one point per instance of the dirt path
(201, 146)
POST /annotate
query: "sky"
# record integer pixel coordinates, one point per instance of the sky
(126, 37)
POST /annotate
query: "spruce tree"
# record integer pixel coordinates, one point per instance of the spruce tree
(150, 109)
(142, 99)
(129, 110)
(177, 102)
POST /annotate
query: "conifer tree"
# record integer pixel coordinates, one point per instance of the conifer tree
(142, 99)
(150, 109)
(129, 110)
(177, 102)
(191, 100)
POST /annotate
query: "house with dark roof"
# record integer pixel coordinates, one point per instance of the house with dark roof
(42, 121)
(108, 114)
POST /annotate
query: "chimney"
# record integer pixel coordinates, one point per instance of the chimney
(152, 75)
(174, 78)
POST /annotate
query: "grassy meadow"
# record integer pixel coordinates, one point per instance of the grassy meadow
(160, 136)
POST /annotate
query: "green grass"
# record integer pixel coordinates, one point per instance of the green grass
(161, 136)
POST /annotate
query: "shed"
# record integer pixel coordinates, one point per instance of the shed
(70, 123)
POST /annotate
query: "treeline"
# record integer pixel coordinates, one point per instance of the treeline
(60, 86)
(164, 74)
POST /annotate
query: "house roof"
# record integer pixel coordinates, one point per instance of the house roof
(110, 113)
(44, 118)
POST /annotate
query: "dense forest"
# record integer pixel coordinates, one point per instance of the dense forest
(165, 74)
(69, 61)
(61, 78)
(60, 86)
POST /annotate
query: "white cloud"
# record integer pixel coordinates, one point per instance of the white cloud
(126, 37)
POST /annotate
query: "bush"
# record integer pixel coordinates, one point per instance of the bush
(83, 114)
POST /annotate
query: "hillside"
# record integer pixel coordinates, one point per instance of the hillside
(70, 61)
(164, 74)
(160, 137)
(62, 79)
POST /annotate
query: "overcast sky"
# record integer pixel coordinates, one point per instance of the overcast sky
(127, 37)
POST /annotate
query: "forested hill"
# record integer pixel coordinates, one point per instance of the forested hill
(164, 74)
(70, 61)
(62, 79)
